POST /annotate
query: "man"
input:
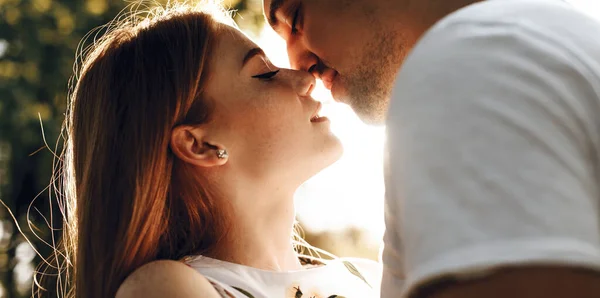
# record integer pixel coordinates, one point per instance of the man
(492, 185)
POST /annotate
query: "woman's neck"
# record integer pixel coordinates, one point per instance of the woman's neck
(261, 231)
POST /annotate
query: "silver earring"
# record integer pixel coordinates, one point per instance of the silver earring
(222, 154)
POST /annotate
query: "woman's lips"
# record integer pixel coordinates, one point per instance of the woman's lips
(316, 118)
(315, 115)
(320, 119)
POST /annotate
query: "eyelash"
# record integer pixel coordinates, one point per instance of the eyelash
(295, 21)
(266, 76)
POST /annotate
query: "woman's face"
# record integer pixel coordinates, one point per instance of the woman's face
(264, 116)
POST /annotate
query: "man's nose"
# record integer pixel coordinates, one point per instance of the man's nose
(302, 59)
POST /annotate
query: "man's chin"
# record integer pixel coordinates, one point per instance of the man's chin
(368, 112)
(373, 119)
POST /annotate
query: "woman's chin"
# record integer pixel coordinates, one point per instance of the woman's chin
(337, 150)
(330, 154)
(305, 166)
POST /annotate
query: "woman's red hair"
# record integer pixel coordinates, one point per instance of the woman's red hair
(128, 199)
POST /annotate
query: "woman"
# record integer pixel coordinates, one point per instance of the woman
(185, 146)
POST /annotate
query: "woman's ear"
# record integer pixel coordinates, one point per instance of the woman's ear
(189, 144)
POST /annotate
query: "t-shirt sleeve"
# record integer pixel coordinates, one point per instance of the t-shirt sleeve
(493, 157)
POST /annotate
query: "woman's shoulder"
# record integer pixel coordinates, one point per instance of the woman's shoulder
(166, 279)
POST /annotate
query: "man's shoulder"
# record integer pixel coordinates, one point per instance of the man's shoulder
(551, 17)
(545, 27)
(510, 11)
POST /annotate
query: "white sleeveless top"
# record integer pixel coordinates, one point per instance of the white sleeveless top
(339, 278)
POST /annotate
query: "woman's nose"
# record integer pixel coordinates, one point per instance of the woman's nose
(304, 82)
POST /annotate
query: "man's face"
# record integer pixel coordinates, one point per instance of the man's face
(345, 43)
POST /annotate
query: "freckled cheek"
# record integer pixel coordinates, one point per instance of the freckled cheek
(269, 123)
(275, 126)
(270, 141)
(281, 133)
(260, 123)
(263, 116)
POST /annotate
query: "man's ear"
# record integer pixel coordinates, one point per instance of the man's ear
(189, 144)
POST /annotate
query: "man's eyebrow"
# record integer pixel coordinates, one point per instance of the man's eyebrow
(253, 52)
(275, 5)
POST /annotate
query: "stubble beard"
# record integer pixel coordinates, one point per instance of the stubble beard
(369, 86)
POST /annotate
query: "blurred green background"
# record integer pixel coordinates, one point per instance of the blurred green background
(38, 40)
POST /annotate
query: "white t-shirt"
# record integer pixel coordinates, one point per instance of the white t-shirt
(494, 145)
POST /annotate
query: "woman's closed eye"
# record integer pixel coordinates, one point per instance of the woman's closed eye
(266, 75)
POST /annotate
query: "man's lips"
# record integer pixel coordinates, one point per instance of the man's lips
(328, 84)
(328, 76)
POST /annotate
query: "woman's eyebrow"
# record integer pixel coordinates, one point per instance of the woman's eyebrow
(253, 52)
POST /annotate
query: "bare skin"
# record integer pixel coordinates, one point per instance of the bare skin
(166, 279)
